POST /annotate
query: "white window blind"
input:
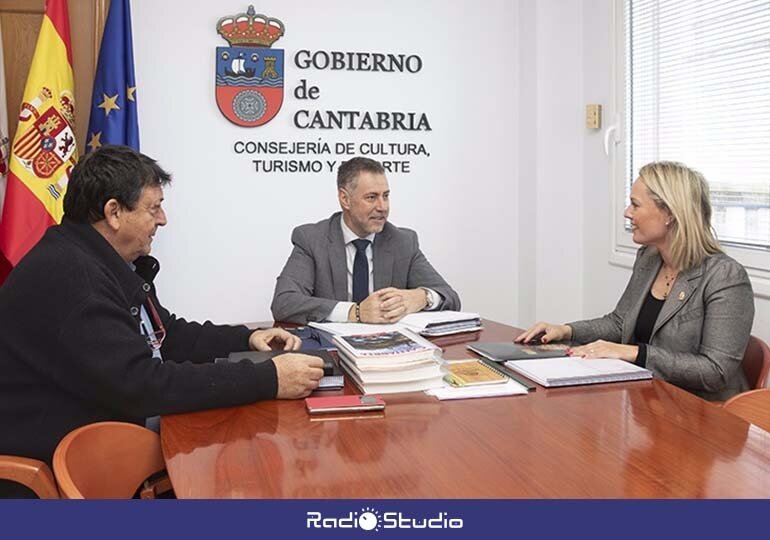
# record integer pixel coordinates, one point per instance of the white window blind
(698, 91)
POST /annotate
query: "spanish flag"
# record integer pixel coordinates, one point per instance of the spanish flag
(44, 149)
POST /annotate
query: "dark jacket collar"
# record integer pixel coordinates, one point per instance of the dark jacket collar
(89, 239)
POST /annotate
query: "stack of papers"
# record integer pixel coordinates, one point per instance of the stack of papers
(345, 328)
(442, 323)
(427, 323)
(390, 362)
(447, 391)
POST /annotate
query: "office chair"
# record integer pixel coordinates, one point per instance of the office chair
(109, 460)
(756, 363)
(31, 473)
(753, 406)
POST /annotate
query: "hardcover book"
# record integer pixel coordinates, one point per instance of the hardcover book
(334, 404)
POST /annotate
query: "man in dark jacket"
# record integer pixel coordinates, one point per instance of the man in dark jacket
(84, 338)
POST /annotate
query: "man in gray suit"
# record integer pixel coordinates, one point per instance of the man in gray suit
(355, 266)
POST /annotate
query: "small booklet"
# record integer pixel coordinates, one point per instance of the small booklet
(333, 404)
(472, 373)
(502, 351)
(570, 370)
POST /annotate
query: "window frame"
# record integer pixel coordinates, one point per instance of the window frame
(756, 260)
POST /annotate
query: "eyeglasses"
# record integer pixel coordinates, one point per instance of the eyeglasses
(156, 337)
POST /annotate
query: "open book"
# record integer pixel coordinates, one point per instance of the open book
(568, 370)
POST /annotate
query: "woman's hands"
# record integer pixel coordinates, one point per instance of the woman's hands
(605, 349)
(545, 333)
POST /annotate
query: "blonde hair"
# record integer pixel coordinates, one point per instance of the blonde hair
(684, 193)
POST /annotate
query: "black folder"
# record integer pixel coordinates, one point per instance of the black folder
(333, 377)
(503, 351)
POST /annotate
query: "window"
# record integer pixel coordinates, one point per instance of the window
(697, 90)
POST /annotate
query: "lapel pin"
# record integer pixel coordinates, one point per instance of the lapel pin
(681, 296)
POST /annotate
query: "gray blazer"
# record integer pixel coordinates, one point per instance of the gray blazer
(702, 330)
(315, 276)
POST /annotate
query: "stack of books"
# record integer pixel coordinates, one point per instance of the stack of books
(390, 362)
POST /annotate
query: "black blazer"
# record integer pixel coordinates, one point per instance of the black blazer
(71, 352)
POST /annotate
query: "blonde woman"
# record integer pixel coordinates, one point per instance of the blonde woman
(686, 313)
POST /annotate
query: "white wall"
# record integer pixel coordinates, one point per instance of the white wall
(229, 228)
(513, 206)
(590, 78)
(559, 127)
(602, 281)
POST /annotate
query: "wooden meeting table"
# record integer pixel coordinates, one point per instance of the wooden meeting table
(629, 440)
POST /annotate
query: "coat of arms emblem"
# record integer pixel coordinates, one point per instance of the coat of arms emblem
(249, 80)
(46, 144)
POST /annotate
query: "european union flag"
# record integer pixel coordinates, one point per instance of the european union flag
(113, 104)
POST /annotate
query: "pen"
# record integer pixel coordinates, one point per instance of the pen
(509, 373)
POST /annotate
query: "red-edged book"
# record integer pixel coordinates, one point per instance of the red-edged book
(333, 404)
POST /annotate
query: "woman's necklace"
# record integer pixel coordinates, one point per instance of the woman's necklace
(669, 280)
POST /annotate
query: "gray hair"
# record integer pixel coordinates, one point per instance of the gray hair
(347, 174)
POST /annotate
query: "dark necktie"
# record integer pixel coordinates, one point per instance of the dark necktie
(360, 271)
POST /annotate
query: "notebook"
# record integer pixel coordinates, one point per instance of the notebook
(472, 373)
(568, 370)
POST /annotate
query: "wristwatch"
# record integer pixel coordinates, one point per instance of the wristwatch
(428, 299)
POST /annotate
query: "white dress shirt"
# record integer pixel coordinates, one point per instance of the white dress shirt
(341, 310)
